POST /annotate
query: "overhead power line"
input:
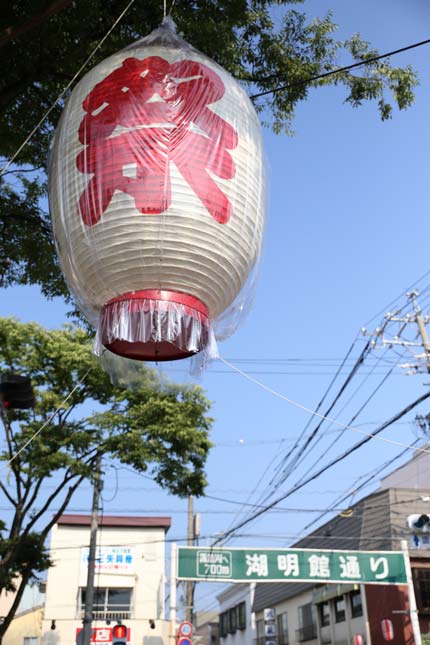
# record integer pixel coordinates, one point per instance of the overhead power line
(367, 480)
(340, 70)
(328, 466)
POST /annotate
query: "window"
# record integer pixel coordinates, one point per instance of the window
(113, 603)
(232, 620)
(324, 613)
(241, 616)
(223, 624)
(29, 640)
(307, 630)
(282, 621)
(356, 604)
(422, 577)
(339, 610)
(260, 629)
(306, 615)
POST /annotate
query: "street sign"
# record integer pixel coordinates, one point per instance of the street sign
(269, 614)
(185, 628)
(291, 565)
(419, 541)
(184, 641)
(269, 630)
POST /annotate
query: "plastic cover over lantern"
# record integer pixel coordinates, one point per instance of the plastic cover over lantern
(157, 199)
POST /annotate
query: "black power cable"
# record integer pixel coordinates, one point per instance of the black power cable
(340, 70)
(323, 469)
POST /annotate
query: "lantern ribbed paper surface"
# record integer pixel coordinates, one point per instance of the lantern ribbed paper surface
(157, 196)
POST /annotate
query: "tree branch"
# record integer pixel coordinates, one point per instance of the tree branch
(8, 495)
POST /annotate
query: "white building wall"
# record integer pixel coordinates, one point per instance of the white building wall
(67, 576)
(291, 606)
(231, 597)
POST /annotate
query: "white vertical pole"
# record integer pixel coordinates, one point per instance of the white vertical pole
(173, 573)
(412, 602)
(365, 614)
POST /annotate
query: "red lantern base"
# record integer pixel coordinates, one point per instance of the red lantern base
(154, 325)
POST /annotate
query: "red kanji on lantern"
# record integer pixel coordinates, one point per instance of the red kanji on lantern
(140, 118)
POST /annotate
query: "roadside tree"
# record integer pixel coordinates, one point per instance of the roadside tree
(156, 428)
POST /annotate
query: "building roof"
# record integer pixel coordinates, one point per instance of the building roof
(119, 521)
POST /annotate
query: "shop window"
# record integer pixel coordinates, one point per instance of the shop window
(339, 610)
(282, 624)
(324, 613)
(356, 604)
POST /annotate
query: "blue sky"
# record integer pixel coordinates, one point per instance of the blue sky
(347, 233)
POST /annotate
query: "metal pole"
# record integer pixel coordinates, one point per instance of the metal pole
(189, 585)
(89, 594)
(365, 614)
(412, 602)
(173, 572)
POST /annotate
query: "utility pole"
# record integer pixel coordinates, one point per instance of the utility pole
(412, 601)
(421, 322)
(173, 582)
(405, 321)
(189, 585)
(89, 594)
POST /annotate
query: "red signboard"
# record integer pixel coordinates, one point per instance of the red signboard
(101, 634)
(387, 629)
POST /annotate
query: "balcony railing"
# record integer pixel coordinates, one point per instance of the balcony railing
(111, 612)
(306, 633)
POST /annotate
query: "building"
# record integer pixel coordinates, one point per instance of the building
(333, 614)
(129, 580)
(206, 628)
(236, 621)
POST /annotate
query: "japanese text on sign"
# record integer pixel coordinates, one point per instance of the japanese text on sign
(111, 559)
(385, 567)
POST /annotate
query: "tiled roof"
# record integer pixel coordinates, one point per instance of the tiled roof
(120, 521)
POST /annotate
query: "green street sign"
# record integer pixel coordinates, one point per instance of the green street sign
(291, 565)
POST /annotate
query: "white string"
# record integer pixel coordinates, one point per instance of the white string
(27, 443)
(320, 416)
(60, 96)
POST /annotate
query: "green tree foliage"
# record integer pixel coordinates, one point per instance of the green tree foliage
(263, 43)
(159, 429)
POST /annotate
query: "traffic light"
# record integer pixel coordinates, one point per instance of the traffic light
(119, 635)
(16, 391)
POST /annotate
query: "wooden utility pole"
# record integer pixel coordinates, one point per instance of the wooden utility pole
(89, 594)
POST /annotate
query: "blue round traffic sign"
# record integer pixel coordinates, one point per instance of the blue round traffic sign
(184, 641)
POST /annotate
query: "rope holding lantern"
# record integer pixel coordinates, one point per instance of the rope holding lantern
(157, 197)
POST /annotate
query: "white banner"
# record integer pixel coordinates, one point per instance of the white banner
(111, 559)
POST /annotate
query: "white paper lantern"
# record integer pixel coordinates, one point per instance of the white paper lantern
(157, 196)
